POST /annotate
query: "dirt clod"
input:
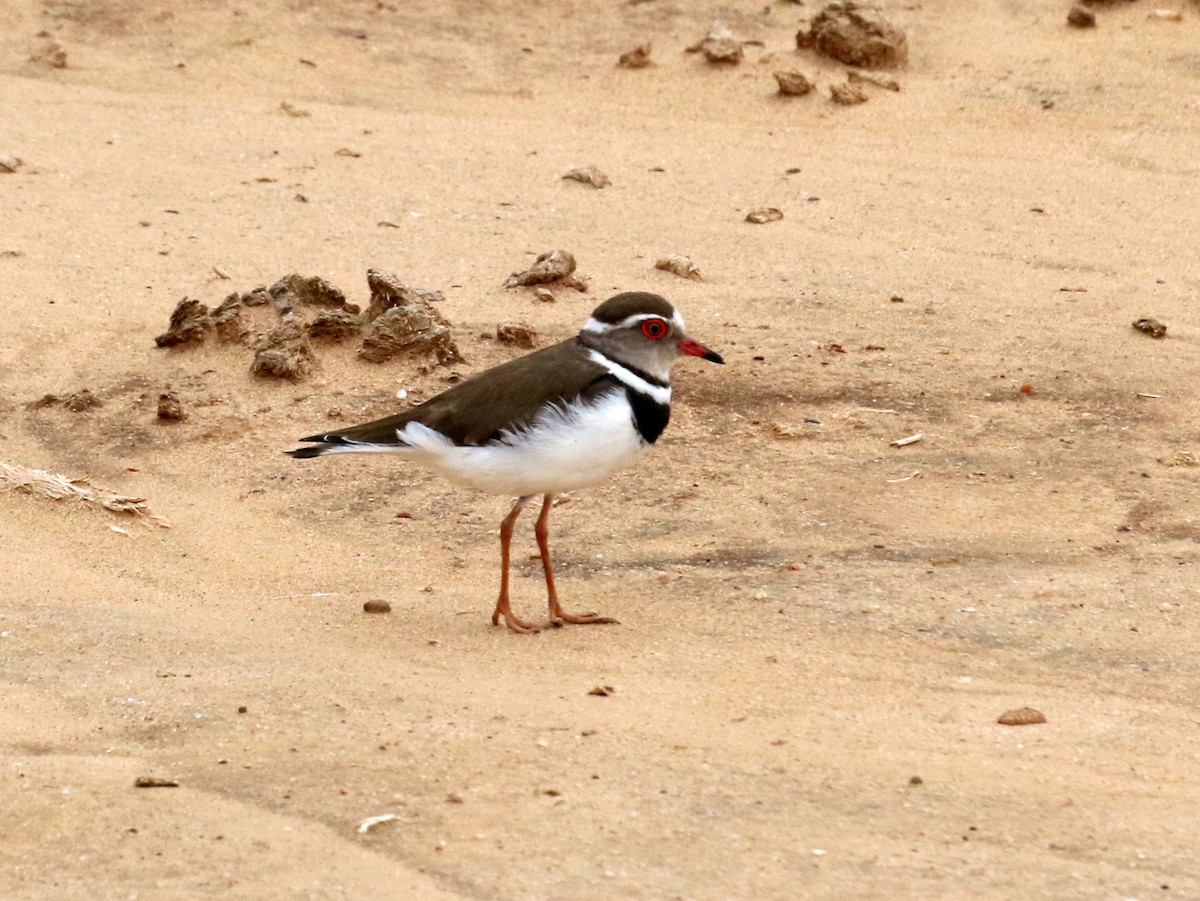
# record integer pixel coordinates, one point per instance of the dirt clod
(1021, 716)
(848, 93)
(762, 214)
(855, 35)
(170, 409)
(283, 353)
(403, 322)
(10, 163)
(1081, 17)
(719, 46)
(82, 401)
(154, 782)
(1181, 458)
(679, 265)
(555, 266)
(227, 319)
(377, 607)
(46, 400)
(793, 83)
(589, 175)
(516, 334)
(312, 291)
(335, 325)
(190, 323)
(387, 292)
(637, 58)
(1151, 327)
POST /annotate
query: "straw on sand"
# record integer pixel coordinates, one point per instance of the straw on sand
(59, 487)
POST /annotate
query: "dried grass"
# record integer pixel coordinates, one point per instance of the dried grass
(60, 488)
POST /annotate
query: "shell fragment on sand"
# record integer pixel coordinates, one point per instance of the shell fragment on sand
(371, 822)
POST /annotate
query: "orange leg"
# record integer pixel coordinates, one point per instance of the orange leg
(558, 616)
(502, 606)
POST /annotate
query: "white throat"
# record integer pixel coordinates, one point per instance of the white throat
(659, 393)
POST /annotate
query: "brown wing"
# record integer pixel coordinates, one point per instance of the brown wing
(504, 397)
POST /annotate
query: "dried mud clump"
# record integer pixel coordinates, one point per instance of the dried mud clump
(190, 322)
(227, 319)
(1081, 17)
(9, 163)
(677, 264)
(283, 353)
(170, 408)
(280, 323)
(46, 400)
(402, 321)
(719, 46)
(637, 58)
(312, 291)
(855, 35)
(82, 401)
(1022, 716)
(793, 83)
(256, 298)
(589, 175)
(764, 214)
(516, 334)
(410, 329)
(1151, 327)
(387, 291)
(335, 325)
(557, 266)
(848, 93)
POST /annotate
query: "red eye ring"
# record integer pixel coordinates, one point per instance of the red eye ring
(655, 329)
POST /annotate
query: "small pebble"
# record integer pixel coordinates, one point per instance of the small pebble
(377, 607)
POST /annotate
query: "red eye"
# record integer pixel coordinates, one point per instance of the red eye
(654, 329)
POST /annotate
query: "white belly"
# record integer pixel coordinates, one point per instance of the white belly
(563, 450)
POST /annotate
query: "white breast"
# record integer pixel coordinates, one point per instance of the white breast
(564, 449)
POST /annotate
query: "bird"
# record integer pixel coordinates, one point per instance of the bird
(562, 418)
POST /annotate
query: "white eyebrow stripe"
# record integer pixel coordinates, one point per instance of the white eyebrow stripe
(596, 327)
(660, 394)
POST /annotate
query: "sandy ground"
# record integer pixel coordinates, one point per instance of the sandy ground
(818, 630)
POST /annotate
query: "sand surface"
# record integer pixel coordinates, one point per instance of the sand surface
(818, 630)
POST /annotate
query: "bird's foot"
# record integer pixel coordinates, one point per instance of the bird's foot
(558, 617)
(514, 622)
